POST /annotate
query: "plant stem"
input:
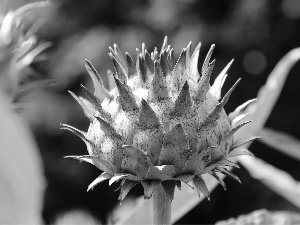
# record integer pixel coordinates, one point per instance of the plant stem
(161, 207)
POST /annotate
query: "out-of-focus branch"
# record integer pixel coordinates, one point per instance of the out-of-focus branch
(268, 94)
(282, 142)
(277, 180)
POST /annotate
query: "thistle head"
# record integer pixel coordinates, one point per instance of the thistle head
(161, 124)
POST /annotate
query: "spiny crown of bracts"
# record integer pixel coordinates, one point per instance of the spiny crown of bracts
(162, 124)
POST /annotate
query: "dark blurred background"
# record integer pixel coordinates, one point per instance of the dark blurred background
(256, 33)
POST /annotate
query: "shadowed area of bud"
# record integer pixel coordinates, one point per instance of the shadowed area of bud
(162, 123)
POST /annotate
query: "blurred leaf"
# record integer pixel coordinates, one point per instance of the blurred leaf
(263, 216)
(277, 180)
(268, 94)
(76, 217)
(21, 171)
(281, 142)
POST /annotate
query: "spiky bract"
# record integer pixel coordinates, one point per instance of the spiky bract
(162, 124)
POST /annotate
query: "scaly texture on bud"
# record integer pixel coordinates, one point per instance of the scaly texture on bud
(162, 125)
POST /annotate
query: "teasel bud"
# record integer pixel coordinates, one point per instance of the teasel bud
(162, 124)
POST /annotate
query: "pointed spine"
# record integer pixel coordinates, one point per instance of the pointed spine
(235, 129)
(229, 174)
(111, 80)
(194, 73)
(86, 110)
(147, 117)
(241, 142)
(188, 56)
(183, 102)
(126, 187)
(204, 86)
(215, 113)
(159, 91)
(103, 176)
(207, 59)
(118, 56)
(117, 177)
(219, 81)
(218, 179)
(181, 67)
(155, 55)
(149, 132)
(144, 50)
(144, 70)
(200, 185)
(171, 59)
(97, 104)
(126, 98)
(131, 66)
(179, 73)
(136, 161)
(100, 90)
(239, 109)
(149, 187)
(149, 61)
(239, 118)
(169, 188)
(108, 129)
(175, 150)
(121, 74)
(164, 63)
(165, 44)
(77, 132)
